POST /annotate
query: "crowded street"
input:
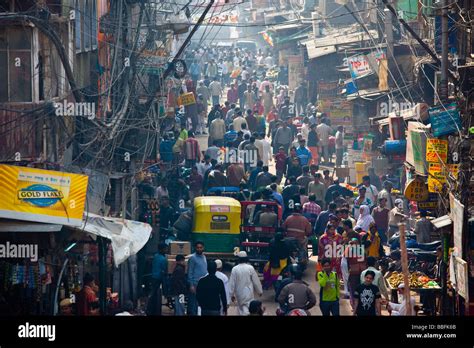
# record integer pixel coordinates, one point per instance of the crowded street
(237, 158)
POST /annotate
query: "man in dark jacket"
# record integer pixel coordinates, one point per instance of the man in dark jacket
(335, 187)
(210, 293)
(323, 219)
(179, 285)
(289, 192)
(216, 177)
(264, 178)
(241, 91)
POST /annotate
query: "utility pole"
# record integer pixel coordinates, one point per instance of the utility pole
(166, 73)
(443, 90)
(405, 270)
(389, 31)
(418, 39)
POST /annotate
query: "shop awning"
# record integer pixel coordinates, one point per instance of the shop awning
(26, 226)
(315, 52)
(367, 94)
(127, 237)
(442, 221)
(321, 46)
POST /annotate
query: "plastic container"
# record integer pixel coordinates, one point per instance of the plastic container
(395, 147)
(397, 127)
(361, 166)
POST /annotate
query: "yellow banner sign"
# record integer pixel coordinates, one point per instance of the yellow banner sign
(42, 195)
(436, 150)
(186, 99)
(436, 177)
(454, 170)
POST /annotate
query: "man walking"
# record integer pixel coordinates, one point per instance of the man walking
(243, 283)
(367, 297)
(225, 280)
(324, 131)
(158, 273)
(297, 294)
(216, 89)
(197, 268)
(283, 137)
(339, 145)
(210, 293)
(178, 285)
(329, 295)
(192, 152)
(301, 97)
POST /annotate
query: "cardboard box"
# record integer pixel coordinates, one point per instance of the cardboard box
(180, 248)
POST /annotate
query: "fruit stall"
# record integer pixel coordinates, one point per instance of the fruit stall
(420, 283)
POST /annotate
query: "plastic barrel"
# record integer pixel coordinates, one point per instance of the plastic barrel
(395, 147)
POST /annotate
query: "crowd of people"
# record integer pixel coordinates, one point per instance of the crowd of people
(255, 122)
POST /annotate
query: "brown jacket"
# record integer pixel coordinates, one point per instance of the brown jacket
(297, 226)
(235, 174)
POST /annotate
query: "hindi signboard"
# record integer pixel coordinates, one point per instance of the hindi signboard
(436, 150)
(186, 99)
(416, 190)
(359, 66)
(436, 177)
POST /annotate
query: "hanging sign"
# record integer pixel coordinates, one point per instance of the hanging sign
(436, 177)
(445, 119)
(436, 150)
(430, 203)
(359, 66)
(416, 190)
(42, 195)
(454, 170)
(186, 99)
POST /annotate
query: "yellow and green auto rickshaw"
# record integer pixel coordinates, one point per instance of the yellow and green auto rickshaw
(216, 223)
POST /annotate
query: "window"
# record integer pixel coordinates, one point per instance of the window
(15, 64)
(86, 25)
(78, 27)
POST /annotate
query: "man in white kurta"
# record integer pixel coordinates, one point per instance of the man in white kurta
(243, 283)
(400, 309)
(225, 280)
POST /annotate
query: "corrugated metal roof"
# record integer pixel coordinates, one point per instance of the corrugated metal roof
(316, 46)
(287, 26)
(315, 52)
(442, 221)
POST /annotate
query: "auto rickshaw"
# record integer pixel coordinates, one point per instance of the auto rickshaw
(256, 237)
(216, 222)
(225, 191)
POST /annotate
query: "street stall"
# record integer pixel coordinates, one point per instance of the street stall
(36, 204)
(50, 243)
(114, 263)
(28, 267)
